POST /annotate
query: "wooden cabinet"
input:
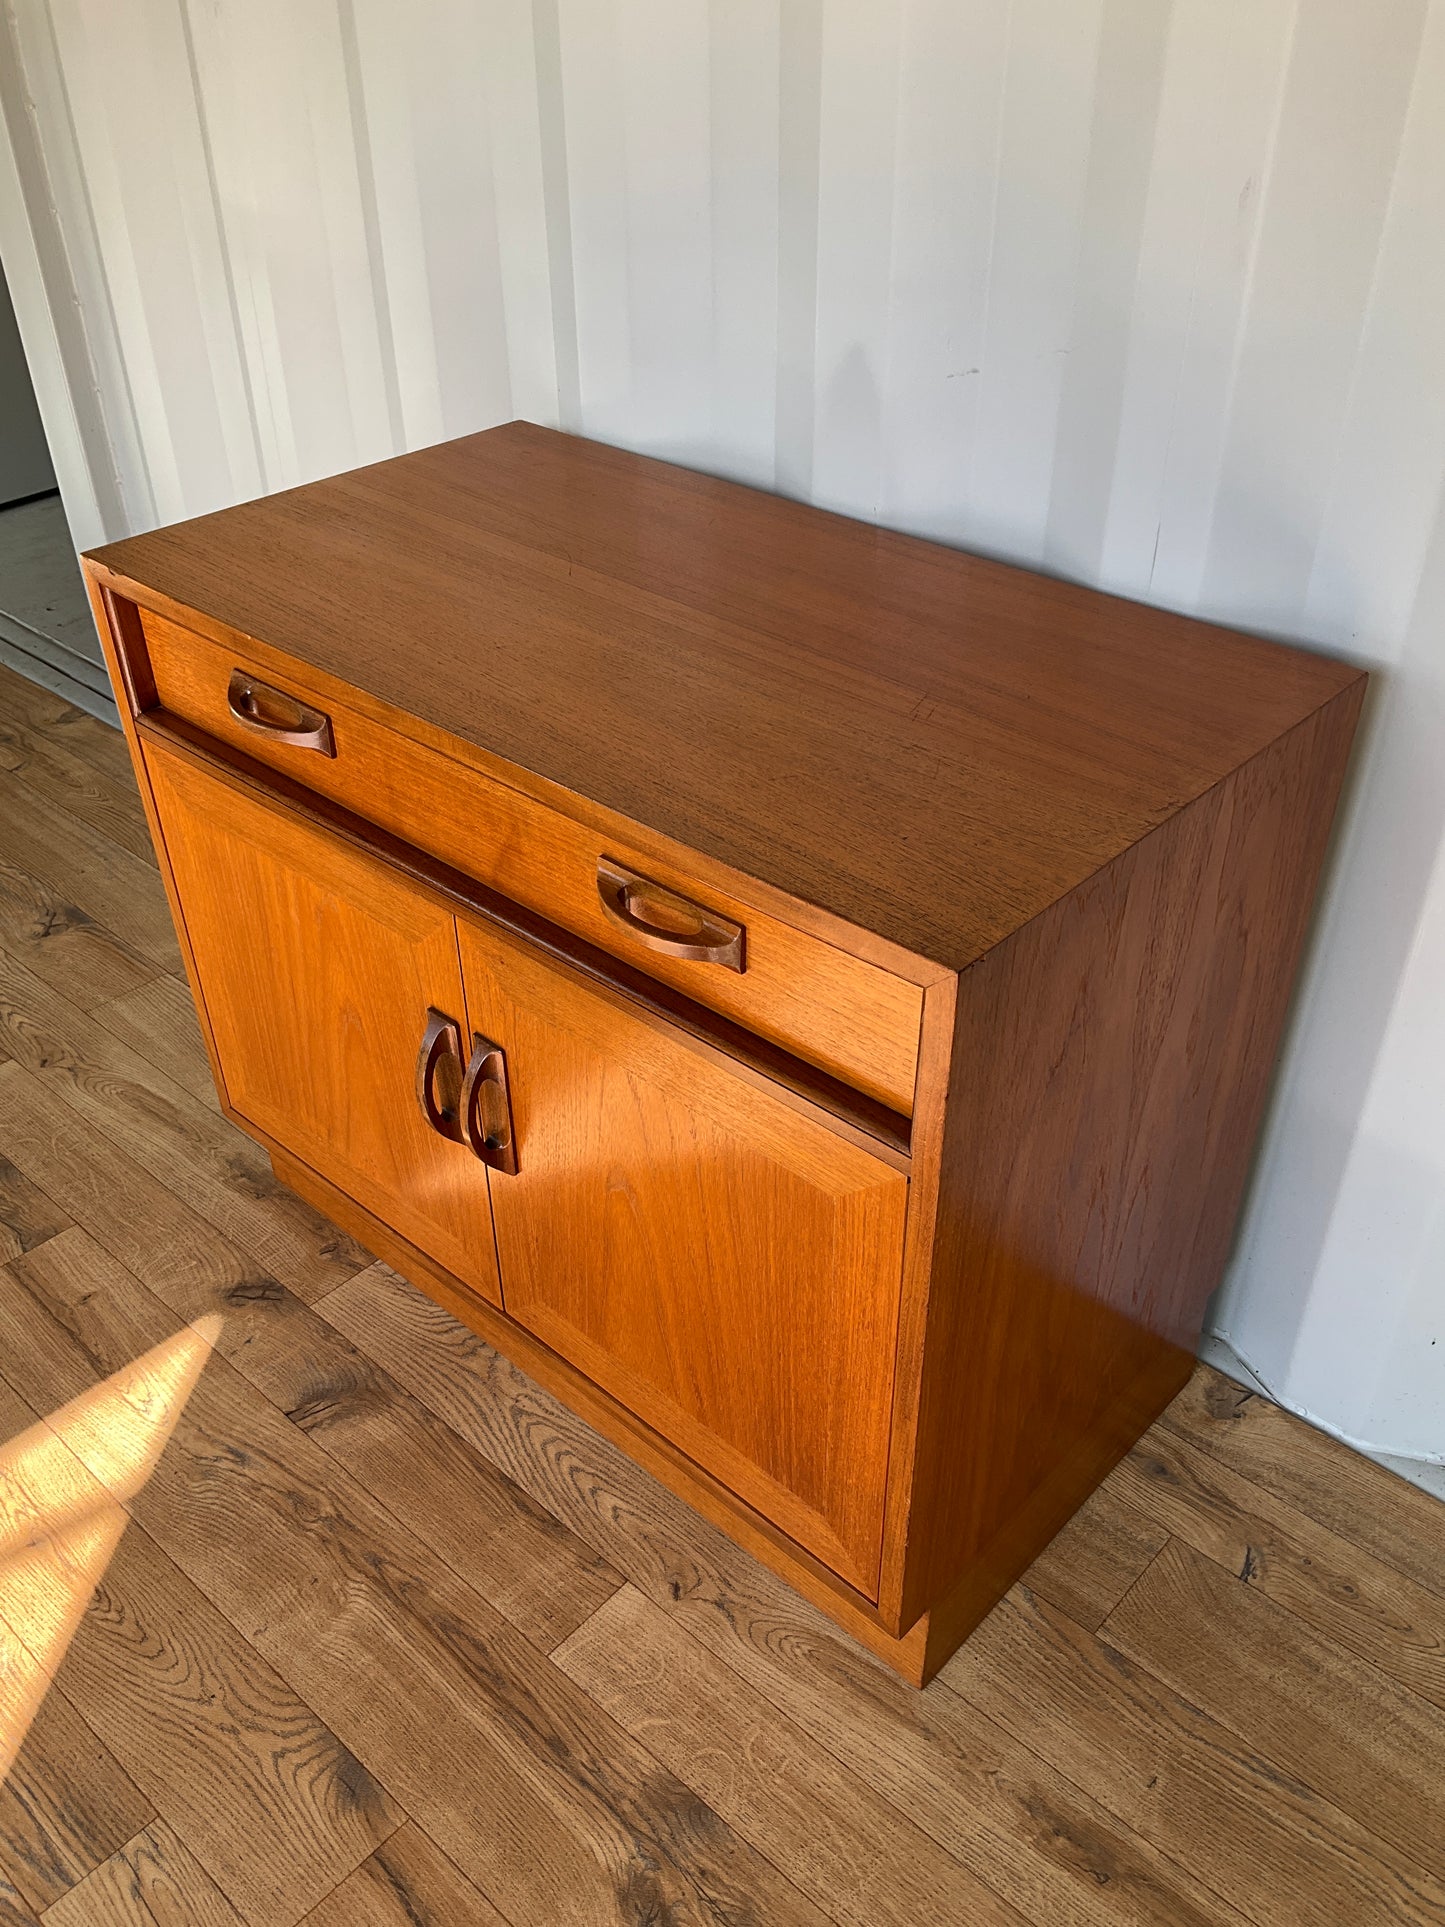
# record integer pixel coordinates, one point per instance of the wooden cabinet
(807, 995)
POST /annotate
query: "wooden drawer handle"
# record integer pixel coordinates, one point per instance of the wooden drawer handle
(486, 1107)
(441, 1039)
(271, 712)
(663, 920)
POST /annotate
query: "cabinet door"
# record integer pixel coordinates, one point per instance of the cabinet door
(727, 1265)
(317, 965)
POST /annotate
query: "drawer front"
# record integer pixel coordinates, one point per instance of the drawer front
(848, 1017)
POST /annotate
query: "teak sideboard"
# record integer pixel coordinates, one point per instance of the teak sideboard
(807, 995)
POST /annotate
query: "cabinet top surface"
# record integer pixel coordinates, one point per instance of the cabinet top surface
(930, 745)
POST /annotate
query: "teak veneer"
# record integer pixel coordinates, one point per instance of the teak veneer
(806, 994)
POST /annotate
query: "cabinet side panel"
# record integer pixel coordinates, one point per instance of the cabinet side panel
(1111, 1064)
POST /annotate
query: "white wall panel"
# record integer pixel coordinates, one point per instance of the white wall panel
(744, 53)
(857, 122)
(1149, 292)
(418, 79)
(1033, 266)
(1335, 147)
(1224, 70)
(141, 145)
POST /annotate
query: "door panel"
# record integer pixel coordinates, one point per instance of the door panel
(317, 965)
(727, 1266)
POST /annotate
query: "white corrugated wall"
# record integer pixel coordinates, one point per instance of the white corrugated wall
(1149, 294)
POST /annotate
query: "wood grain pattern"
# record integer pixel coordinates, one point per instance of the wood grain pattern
(1088, 1792)
(570, 594)
(715, 1501)
(860, 1860)
(543, 1801)
(1228, 1649)
(527, 1565)
(1328, 1582)
(13, 1910)
(65, 1803)
(1087, 1569)
(730, 1268)
(1110, 1066)
(65, 1806)
(27, 1216)
(848, 1016)
(71, 730)
(158, 1022)
(43, 838)
(186, 1261)
(271, 1803)
(327, 1066)
(407, 1882)
(153, 1881)
(752, 1056)
(49, 767)
(1267, 1843)
(1315, 1474)
(1044, 1845)
(1088, 836)
(64, 944)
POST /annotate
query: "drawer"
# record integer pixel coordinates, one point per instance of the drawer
(849, 1017)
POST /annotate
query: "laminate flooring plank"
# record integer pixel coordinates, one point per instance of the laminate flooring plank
(271, 1804)
(122, 891)
(267, 1798)
(159, 1023)
(540, 1799)
(1338, 1591)
(1054, 1852)
(1274, 1847)
(183, 1144)
(518, 1556)
(1086, 1570)
(27, 1216)
(61, 942)
(13, 1910)
(1323, 1717)
(184, 1260)
(99, 743)
(861, 1861)
(58, 1529)
(65, 1806)
(66, 1803)
(407, 1882)
(29, 702)
(511, 1550)
(153, 1881)
(48, 767)
(1360, 1501)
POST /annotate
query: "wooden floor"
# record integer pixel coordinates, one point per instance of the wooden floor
(368, 1631)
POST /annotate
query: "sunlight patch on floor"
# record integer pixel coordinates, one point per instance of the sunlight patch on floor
(64, 1487)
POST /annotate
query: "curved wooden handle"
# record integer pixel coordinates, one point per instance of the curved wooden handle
(486, 1107)
(665, 921)
(442, 1038)
(271, 712)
